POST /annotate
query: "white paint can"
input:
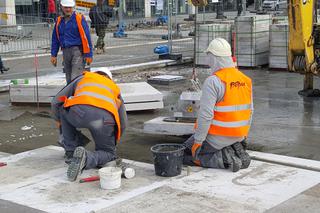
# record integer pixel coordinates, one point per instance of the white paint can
(110, 177)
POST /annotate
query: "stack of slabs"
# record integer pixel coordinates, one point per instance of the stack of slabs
(205, 34)
(252, 40)
(278, 58)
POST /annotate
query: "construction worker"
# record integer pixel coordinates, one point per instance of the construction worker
(99, 15)
(72, 34)
(92, 101)
(225, 114)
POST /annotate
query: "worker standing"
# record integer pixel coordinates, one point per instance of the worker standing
(71, 33)
(52, 12)
(99, 15)
(92, 101)
(225, 114)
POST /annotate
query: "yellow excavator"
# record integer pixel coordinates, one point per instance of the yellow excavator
(304, 42)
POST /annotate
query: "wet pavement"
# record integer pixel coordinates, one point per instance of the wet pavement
(284, 122)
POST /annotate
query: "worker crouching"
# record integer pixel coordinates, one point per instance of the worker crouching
(225, 114)
(92, 101)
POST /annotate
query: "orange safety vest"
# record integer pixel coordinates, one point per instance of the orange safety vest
(232, 115)
(84, 39)
(98, 91)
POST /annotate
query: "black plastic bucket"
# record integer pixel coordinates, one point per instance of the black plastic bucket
(168, 159)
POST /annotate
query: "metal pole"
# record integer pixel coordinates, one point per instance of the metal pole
(170, 25)
(195, 45)
(37, 82)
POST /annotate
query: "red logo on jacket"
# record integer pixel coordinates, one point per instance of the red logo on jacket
(237, 84)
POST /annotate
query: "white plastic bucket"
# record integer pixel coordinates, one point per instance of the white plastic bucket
(110, 177)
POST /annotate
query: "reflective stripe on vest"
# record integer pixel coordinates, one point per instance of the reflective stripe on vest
(98, 91)
(94, 85)
(231, 124)
(232, 115)
(98, 96)
(84, 39)
(232, 108)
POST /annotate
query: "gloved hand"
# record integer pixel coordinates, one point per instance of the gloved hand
(195, 149)
(88, 61)
(53, 61)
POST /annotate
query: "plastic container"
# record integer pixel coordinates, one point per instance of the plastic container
(110, 177)
(168, 159)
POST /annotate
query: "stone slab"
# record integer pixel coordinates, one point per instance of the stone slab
(158, 126)
(166, 79)
(4, 154)
(4, 85)
(26, 182)
(140, 95)
(144, 106)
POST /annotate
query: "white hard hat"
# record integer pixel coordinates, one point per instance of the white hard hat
(219, 47)
(67, 3)
(102, 69)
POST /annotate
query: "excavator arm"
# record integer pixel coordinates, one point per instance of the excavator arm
(303, 49)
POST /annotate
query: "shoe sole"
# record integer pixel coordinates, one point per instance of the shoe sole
(236, 164)
(244, 156)
(76, 164)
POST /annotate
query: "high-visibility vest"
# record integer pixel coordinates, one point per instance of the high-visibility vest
(233, 114)
(98, 91)
(84, 39)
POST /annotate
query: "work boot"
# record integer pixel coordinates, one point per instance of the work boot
(77, 164)
(68, 155)
(99, 51)
(230, 160)
(242, 154)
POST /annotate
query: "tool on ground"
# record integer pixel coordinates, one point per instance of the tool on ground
(127, 171)
(2, 164)
(89, 179)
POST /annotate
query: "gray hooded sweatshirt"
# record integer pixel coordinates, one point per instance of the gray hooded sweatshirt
(213, 91)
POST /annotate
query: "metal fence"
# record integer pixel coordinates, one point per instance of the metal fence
(24, 33)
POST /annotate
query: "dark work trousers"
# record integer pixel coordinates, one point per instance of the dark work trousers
(209, 156)
(73, 62)
(102, 127)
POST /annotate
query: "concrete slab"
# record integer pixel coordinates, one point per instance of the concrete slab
(4, 154)
(308, 201)
(166, 79)
(4, 85)
(141, 95)
(144, 106)
(139, 92)
(158, 126)
(37, 179)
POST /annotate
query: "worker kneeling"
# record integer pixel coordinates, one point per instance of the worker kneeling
(92, 101)
(225, 114)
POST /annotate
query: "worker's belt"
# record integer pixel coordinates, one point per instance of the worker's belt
(232, 108)
(231, 124)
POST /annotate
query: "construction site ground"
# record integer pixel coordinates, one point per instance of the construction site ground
(284, 122)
